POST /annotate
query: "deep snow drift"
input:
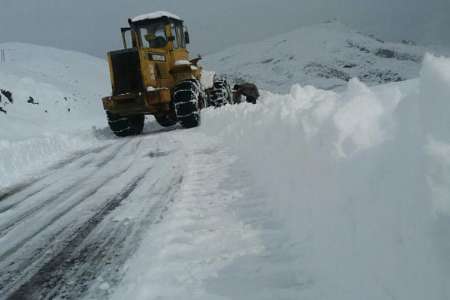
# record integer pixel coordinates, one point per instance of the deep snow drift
(360, 178)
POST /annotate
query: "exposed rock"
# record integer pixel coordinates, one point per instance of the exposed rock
(381, 76)
(324, 71)
(266, 61)
(8, 95)
(351, 44)
(31, 101)
(386, 53)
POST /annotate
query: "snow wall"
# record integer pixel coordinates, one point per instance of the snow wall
(361, 179)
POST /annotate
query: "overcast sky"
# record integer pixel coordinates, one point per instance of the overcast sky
(92, 26)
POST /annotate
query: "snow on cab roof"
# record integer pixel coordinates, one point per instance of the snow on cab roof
(156, 15)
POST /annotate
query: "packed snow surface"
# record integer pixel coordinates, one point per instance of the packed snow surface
(155, 15)
(310, 194)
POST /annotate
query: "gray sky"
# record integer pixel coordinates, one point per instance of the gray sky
(92, 26)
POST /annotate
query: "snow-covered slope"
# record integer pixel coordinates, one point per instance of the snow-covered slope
(360, 178)
(325, 55)
(55, 97)
(65, 89)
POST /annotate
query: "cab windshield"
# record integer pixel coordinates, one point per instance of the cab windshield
(153, 35)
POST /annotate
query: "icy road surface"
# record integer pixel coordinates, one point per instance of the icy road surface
(68, 233)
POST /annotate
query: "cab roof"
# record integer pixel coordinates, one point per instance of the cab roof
(154, 16)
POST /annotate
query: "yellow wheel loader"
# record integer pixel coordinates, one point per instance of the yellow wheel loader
(153, 75)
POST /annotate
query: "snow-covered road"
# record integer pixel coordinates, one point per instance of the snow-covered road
(55, 229)
(171, 194)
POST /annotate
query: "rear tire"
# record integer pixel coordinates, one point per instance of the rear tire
(186, 101)
(220, 93)
(123, 126)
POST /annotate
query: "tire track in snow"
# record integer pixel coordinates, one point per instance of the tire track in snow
(15, 189)
(90, 245)
(52, 272)
(16, 268)
(34, 186)
(116, 245)
(65, 192)
(128, 236)
(55, 218)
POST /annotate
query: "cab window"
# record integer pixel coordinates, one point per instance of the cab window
(127, 38)
(173, 30)
(178, 35)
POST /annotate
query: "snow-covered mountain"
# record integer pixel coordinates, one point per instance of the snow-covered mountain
(327, 56)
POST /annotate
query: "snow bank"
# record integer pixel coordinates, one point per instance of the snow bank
(434, 106)
(361, 179)
(439, 176)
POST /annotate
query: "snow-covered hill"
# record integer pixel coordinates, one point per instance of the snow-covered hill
(52, 90)
(54, 96)
(327, 56)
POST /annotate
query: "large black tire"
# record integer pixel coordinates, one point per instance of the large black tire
(186, 98)
(123, 126)
(166, 120)
(220, 94)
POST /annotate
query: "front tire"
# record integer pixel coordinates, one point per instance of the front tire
(123, 126)
(186, 101)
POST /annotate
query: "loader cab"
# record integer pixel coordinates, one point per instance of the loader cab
(154, 75)
(156, 32)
